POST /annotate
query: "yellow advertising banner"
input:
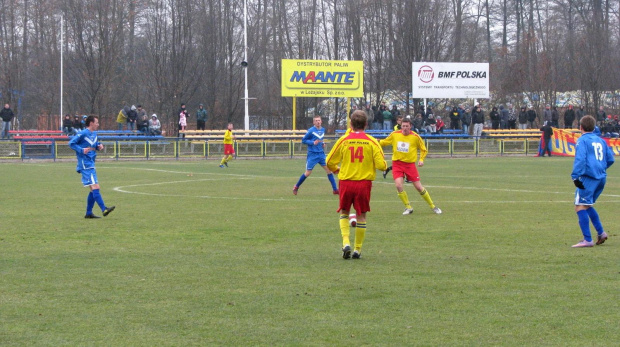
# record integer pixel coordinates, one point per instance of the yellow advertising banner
(322, 78)
(563, 143)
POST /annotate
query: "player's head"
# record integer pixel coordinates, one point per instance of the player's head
(405, 126)
(92, 122)
(358, 120)
(317, 121)
(587, 124)
(230, 126)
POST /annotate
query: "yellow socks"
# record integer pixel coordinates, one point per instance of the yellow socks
(360, 233)
(404, 198)
(344, 229)
(427, 198)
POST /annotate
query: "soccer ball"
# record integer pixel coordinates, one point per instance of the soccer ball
(352, 220)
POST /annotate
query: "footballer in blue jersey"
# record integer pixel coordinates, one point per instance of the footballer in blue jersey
(86, 144)
(592, 158)
(316, 154)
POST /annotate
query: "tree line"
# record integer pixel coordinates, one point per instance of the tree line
(161, 53)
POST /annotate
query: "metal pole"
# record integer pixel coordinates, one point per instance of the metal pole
(245, 41)
(62, 21)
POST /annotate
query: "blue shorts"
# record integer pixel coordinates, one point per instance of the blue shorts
(89, 177)
(315, 158)
(593, 189)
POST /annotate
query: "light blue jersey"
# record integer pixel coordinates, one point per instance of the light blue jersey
(85, 139)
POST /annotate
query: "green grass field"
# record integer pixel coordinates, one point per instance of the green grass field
(198, 255)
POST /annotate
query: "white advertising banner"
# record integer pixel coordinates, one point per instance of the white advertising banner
(450, 80)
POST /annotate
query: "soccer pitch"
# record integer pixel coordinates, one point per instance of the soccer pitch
(198, 255)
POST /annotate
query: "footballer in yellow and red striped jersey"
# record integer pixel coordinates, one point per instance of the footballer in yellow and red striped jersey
(405, 146)
(359, 156)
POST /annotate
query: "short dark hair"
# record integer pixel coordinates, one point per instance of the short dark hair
(406, 120)
(358, 120)
(588, 123)
(89, 120)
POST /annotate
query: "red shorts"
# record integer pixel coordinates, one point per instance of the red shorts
(228, 149)
(356, 193)
(407, 170)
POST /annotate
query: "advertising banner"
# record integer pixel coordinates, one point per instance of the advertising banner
(322, 78)
(450, 80)
(563, 143)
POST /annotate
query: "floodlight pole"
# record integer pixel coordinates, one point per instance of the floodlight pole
(245, 59)
(62, 21)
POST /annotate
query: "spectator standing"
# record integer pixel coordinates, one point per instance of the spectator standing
(600, 116)
(504, 115)
(581, 112)
(183, 119)
(531, 117)
(377, 122)
(466, 120)
(387, 120)
(495, 118)
(512, 117)
(359, 156)
(132, 118)
(316, 154)
(181, 109)
(547, 133)
(370, 115)
(592, 159)
(477, 119)
(569, 117)
(201, 117)
(154, 125)
(121, 118)
(548, 115)
(395, 114)
(555, 117)
(454, 118)
(523, 118)
(7, 117)
(141, 112)
(86, 144)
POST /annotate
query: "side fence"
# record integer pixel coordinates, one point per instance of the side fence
(178, 148)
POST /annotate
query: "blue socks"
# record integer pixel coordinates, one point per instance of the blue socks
(584, 224)
(331, 178)
(90, 202)
(596, 221)
(332, 181)
(301, 179)
(97, 197)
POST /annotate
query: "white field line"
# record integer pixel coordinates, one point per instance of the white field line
(226, 177)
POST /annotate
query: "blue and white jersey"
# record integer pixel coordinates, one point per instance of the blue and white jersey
(312, 135)
(85, 139)
(592, 157)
